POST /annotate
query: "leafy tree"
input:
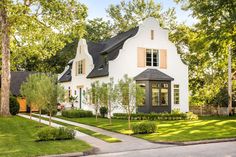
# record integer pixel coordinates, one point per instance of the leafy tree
(130, 94)
(5, 42)
(208, 47)
(98, 30)
(36, 34)
(127, 15)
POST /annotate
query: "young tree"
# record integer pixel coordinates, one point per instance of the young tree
(94, 96)
(52, 94)
(97, 96)
(130, 95)
(28, 90)
(32, 91)
(112, 98)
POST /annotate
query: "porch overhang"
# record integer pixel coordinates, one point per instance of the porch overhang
(153, 75)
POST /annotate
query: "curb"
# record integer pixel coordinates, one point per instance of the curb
(198, 142)
(77, 154)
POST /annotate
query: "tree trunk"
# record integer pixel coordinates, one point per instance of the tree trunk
(5, 83)
(229, 82)
(30, 112)
(109, 112)
(96, 110)
(50, 118)
(40, 115)
(129, 122)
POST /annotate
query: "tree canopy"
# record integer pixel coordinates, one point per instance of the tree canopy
(208, 45)
(40, 28)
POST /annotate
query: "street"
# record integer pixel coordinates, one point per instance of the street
(224, 149)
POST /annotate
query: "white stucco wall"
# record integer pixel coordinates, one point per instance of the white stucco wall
(126, 62)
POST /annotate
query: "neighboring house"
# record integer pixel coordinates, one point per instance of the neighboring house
(17, 78)
(144, 53)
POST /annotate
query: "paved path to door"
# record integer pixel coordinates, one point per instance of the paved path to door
(129, 143)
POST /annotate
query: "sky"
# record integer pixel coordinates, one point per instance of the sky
(97, 8)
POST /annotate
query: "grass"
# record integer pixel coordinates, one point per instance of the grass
(17, 138)
(86, 131)
(173, 131)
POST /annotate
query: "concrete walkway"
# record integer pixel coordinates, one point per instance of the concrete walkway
(128, 143)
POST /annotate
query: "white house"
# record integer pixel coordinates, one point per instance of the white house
(144, 53)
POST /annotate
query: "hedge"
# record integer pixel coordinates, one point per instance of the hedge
(157, 116)
(76, 113)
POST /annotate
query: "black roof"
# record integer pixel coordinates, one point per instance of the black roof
(152, 75)
(66, 77)
(103, 52)
(17, 78)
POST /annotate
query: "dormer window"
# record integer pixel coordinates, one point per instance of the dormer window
(152, 57)
(101, 67)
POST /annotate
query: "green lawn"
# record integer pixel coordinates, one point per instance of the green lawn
(169, 131)
(105, 138)
(17, 139)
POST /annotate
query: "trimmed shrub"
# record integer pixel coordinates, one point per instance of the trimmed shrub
(144, 128)
(14, 105)
(191, 116)
(49, 133)
(65, 133)
(46, 134)
(76, 113)
(157, 116)
(103, 111)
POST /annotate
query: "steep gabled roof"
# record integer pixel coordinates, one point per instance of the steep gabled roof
(17, 78)
(107, 50)
(101, 53)
(152, 75)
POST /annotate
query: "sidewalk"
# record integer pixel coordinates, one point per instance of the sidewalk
(128, 143)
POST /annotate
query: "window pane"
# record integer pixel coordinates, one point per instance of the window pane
(164, 97)
(176, 94)
(155, 95)
(148, 57)
(154, 59)
(164, 85)
(80, 67)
